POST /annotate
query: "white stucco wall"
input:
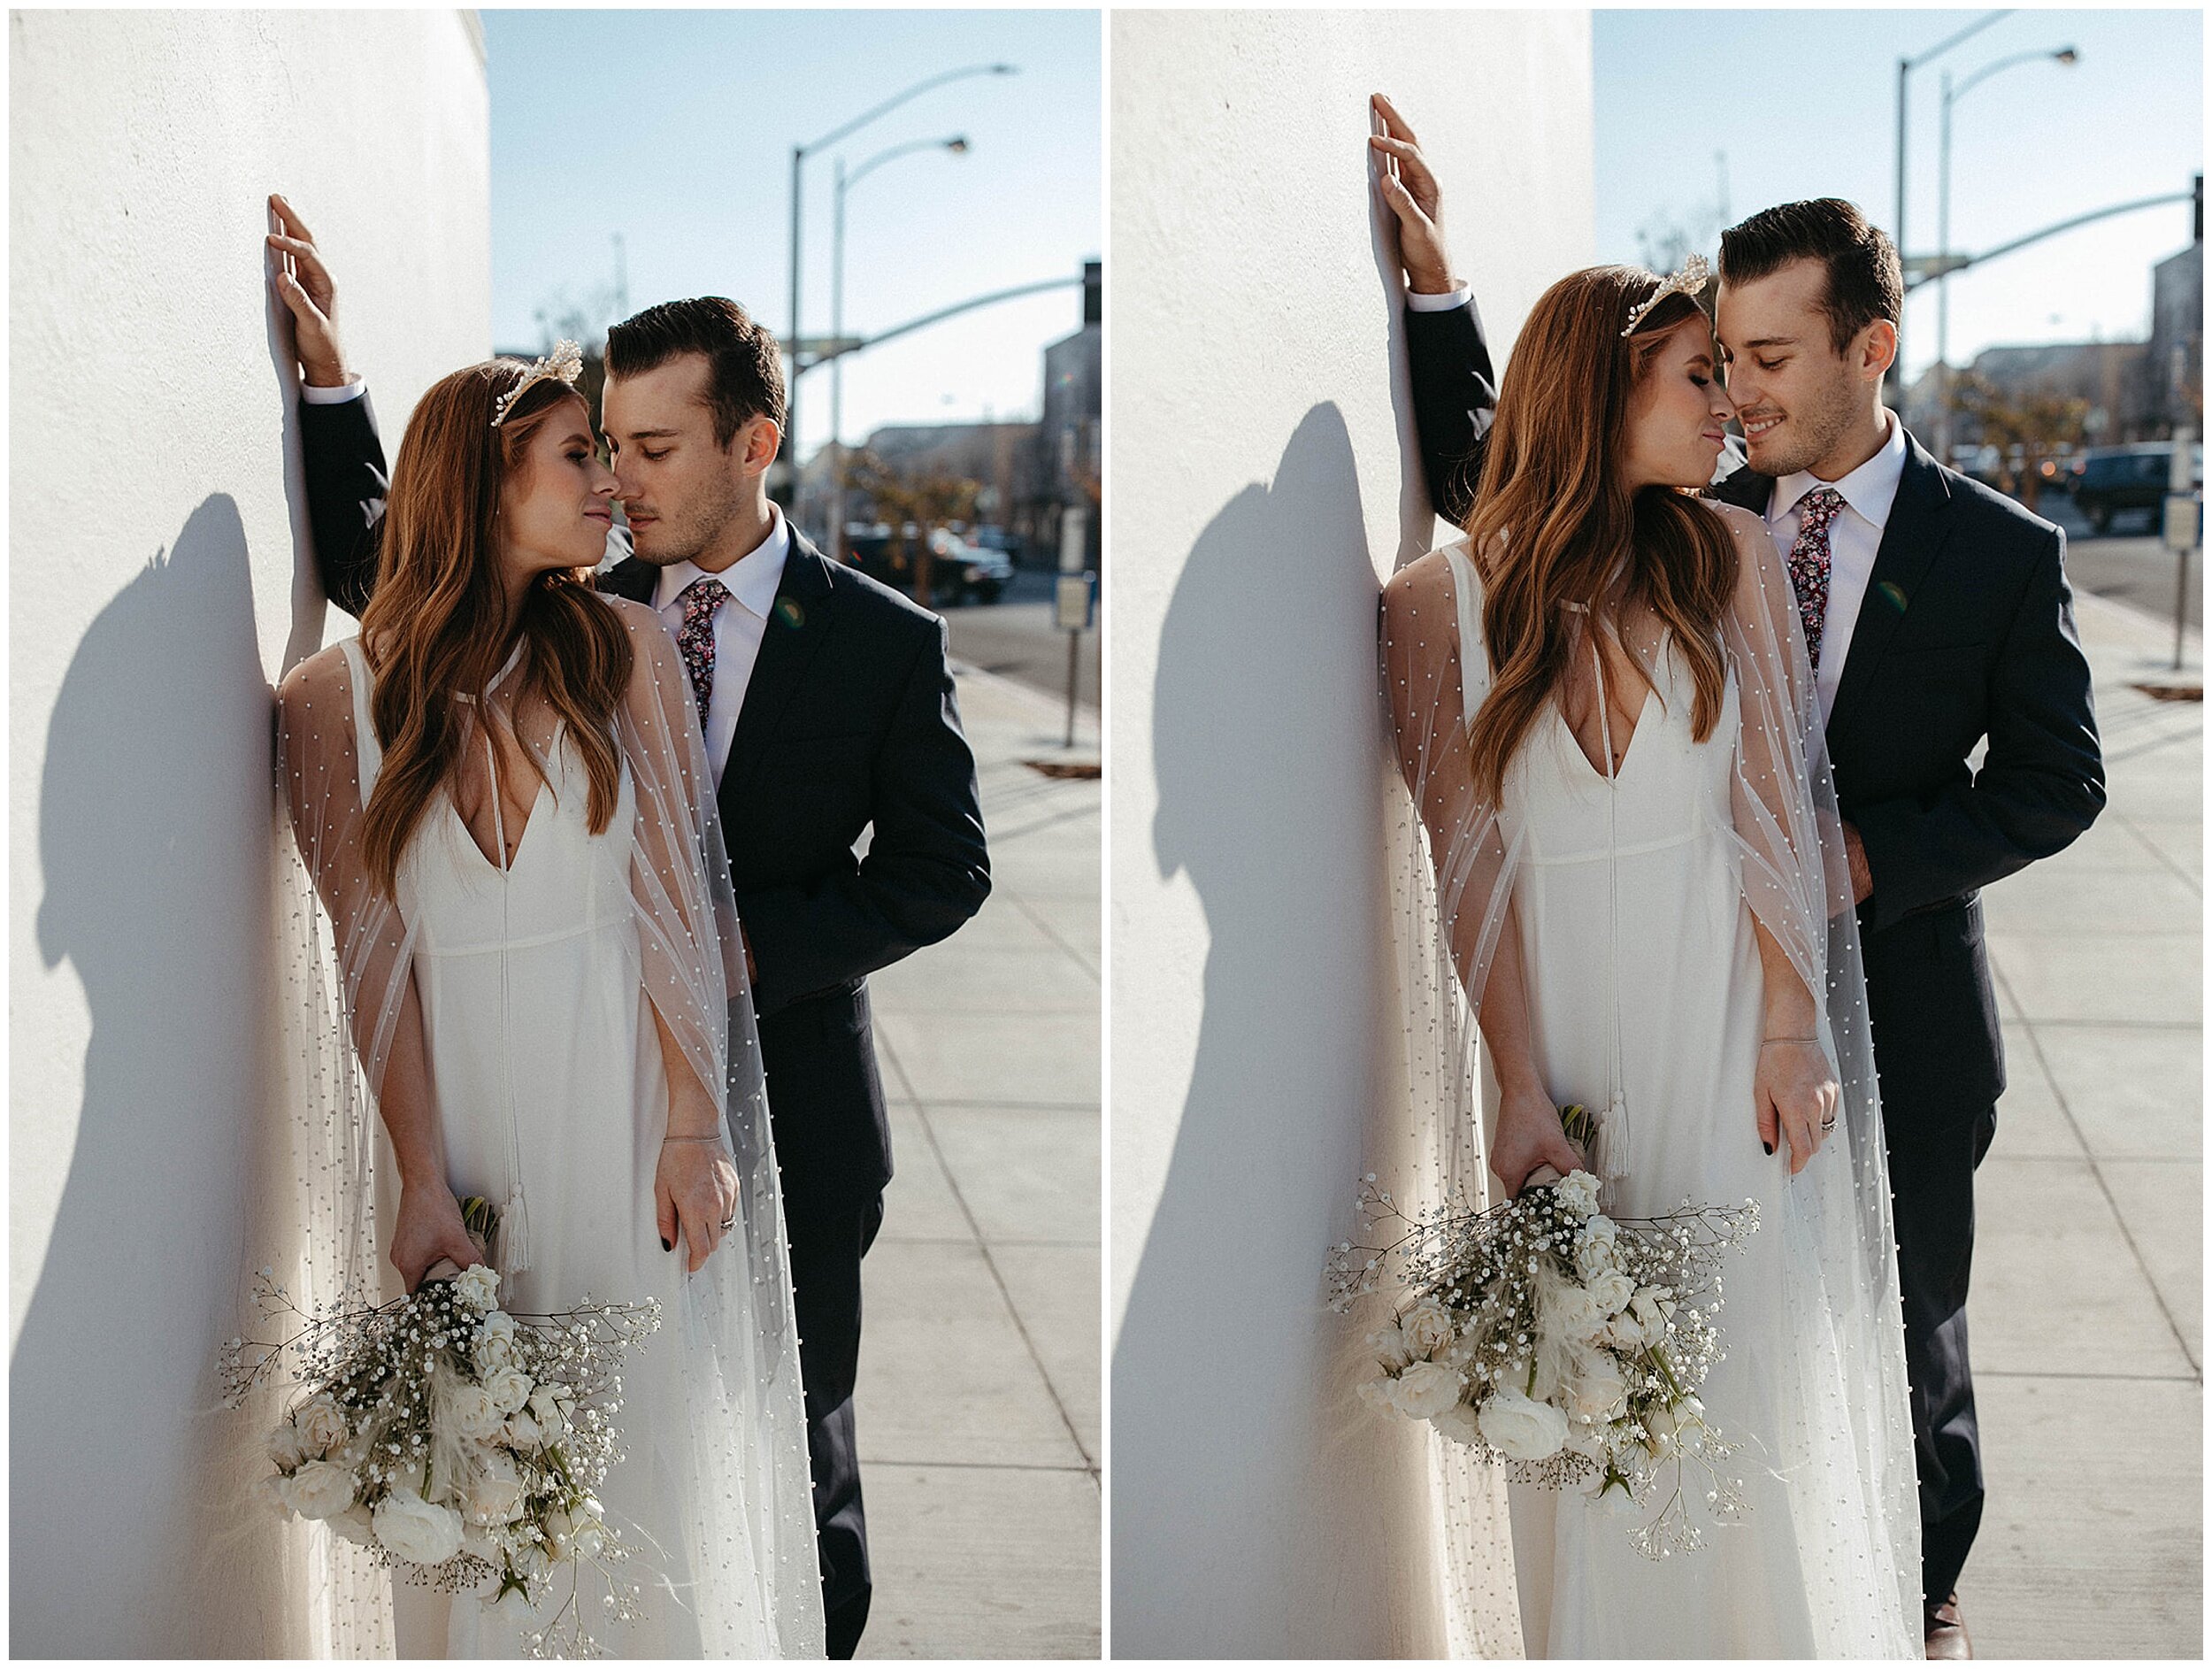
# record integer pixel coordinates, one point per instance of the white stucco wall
(158, 582)
(1264, 483)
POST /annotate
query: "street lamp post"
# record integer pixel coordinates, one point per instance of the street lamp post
(958, 146)
(1905, 67)
(799, 154)
(2064, 55)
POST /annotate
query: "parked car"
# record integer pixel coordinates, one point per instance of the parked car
(959, 572)
(2107, 480)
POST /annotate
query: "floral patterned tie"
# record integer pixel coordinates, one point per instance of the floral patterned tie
(1809, 563)
(695, 638)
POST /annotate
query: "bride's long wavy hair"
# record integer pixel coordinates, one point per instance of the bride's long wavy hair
(436, 631)
(1553, 516)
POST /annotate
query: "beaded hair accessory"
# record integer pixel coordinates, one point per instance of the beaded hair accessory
(565, 363)
(1689, 281)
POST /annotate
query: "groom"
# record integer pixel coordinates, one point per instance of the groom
(1939, 616)
(828, 711)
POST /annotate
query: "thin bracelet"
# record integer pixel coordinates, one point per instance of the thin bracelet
(715, 1138)
(1764, 1041)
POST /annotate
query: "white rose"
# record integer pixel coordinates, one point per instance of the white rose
(514, 1604)
(1519, 1428)
(1615, 1500)
(1624, 1332)
(1427, 1327)
(319, 1490)
(474, 1411)
(270, 1490)
(1597, 1249)
(495, 1345)
(1426, 1389)
(418, 1531)
(1611, 1292)
(1578, 1191)
(521, 1432)
(1651, 1311)
(551, 1413)
(287, 1447)
(1391, 1347)
(477, 1286)
(1569, 1313)
(1380, 1392)
(509, 1387)
(588, 1537)
(1459, 1423)
(1596, 1388)
(354, 1524)
(322, 1425)
(497, 1497)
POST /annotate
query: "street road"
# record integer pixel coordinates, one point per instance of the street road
(1015, 638)
(2129, 566)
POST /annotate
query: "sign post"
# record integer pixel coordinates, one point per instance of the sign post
(1075, 601)
(2182, 529)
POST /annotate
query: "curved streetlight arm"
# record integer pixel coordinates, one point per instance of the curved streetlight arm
(1934, 53)
(853, 176)
(2061, 55)
(839, 349)
(897, 99)
(1966, 261)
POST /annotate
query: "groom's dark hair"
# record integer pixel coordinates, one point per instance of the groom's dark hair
(1865, 281)
(745, 370)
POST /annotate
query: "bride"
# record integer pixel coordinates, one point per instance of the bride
(501, 793)
(1634, 891)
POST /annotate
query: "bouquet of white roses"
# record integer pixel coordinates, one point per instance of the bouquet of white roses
(1567, 1343)
(459, 1443)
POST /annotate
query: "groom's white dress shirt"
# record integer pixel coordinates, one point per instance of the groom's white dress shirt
(1854, 538)
(740, 624)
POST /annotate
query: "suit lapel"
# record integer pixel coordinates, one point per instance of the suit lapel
(1747, 489)
(631, 578)
(796, 626)
(1919, 524)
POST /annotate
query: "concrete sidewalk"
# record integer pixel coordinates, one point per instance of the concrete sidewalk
(2087, 1297)
(979, 1404)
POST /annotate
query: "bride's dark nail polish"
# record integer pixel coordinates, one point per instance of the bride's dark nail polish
(1769, 1146)
(669, 1245)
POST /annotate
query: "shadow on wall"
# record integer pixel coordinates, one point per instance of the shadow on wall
(1238, 1497)
(154, 839)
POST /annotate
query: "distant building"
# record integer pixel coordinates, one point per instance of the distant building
(2105, 375)
(2133, 390)
(1070, 436)
(2171, 387)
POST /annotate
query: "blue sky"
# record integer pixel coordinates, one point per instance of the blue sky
(1803, 105)
(675, 128)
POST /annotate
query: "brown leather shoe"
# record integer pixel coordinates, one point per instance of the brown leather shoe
(1946, 1631)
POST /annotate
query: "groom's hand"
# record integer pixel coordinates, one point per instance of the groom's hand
(307, 289)
(1411, 191)
(1854, 853)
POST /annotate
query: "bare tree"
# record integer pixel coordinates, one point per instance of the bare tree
(923, 502)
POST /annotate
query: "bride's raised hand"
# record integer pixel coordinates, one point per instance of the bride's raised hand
(1795, 1091)
(1529, 1136)
(1410, 190)
(430, 1228)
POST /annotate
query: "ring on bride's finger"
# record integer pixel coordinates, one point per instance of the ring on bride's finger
(730, 1221)
(1828, 1123)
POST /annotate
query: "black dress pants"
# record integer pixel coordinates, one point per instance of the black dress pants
(826, 1254)
(1932, 1165)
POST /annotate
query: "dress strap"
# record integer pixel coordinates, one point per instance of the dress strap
(367, 750)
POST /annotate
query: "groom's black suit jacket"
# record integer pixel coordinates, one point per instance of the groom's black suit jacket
(1966, 633)
(848, 721)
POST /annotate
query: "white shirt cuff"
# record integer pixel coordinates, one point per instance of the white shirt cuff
(1458, 295)
(350, 390)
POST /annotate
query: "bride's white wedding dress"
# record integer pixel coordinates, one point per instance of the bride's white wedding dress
(535, 979)
(1631, 902)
